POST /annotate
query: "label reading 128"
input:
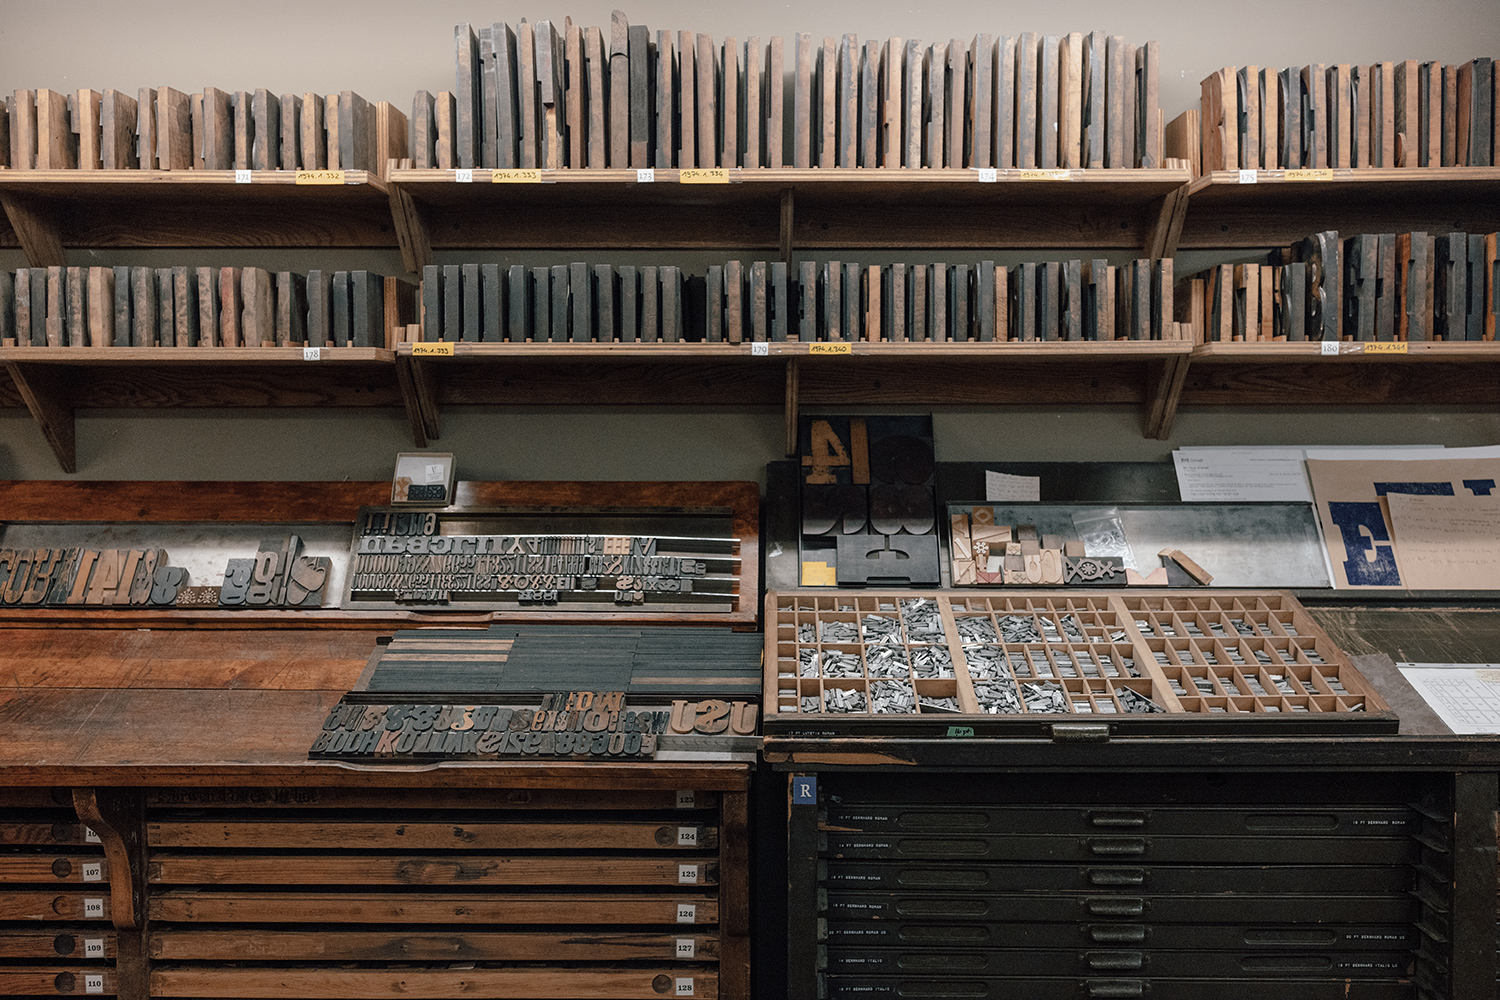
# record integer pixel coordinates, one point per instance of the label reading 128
(93, 909)
(684, 987)
(687, 913)
(687, 874)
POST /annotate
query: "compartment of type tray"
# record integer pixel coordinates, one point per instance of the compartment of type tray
(929, 663)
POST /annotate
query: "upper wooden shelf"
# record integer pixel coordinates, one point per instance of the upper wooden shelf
(49, 210)
(1313, 351)
(1223, 211)
(779, 210)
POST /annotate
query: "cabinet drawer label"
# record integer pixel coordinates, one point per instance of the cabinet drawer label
(687, 874)
(687, 913)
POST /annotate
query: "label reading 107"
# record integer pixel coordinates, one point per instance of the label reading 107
(93, 871)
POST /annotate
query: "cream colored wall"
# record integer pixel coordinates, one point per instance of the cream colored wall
(386, 50)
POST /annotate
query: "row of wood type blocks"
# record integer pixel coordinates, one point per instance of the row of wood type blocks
(166, 129)
(548, 95)
(1385, 287)
(1070, 300)
(198, 307)
(1319, 116)
(55, 933)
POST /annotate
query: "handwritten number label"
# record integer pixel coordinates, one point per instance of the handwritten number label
(320, 177)
(988, 175)
(1249, 177)
(242, 177)
(1308, 175)
(840, 348)
(687, 913)
(645, 176)
(703, 175)
(515, 177)
(463, 177)
(687, 874)
(760, 349)
(1386, 347)
(437, 350)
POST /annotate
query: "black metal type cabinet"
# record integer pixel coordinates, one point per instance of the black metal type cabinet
(1340, 867)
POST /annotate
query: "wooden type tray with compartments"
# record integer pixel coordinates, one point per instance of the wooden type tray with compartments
(944, 664)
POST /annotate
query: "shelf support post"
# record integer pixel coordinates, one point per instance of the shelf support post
(411, 227)
(419, 393)
(1474, 906)
(1166, 229)
(51, 408)
(1164, 382)
(118, 817)
(36, 229)
(788, 205)
(792, 389)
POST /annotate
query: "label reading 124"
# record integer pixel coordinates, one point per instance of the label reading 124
(93, 947)
(684, 987)
(687, 874)
(703, 175)
(687, 836)
(93, 982)
(93, 909)
(842, 348)
(440, 349)
(320, 177)
(515, 177)
(687, 913)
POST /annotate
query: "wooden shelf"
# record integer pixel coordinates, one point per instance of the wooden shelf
(783, 210)
(49, 210)
(1274, 211)
(53, 382)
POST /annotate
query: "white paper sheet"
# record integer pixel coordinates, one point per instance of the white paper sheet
(1015, 489)
(1466, 696)
(1251, 473)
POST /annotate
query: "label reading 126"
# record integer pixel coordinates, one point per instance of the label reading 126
(93, 982)
(93, 947)
(687, 874)
(93, 871)
(93, 909)
(687, 836)
(686, 799)
(684, 987)
(686, 948)
(687, 913)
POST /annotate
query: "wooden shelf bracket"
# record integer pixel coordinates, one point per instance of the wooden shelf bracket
(36, 228)
(51, 407)
(1164, 382)
(419, 394)
(1166, 229)
(792, 388)
(412, 232)
(788, 206)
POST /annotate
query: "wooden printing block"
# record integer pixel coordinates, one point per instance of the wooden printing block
(867, 102)
(1051, 565)
(469, 294)
(467, 90)
(1198, 573)
(1070, 299)
(444, 116)
(912, 79)
(1024, 300)
(954, 119)
(895, 303)
(432, 302)
(935, 143)
(671, 303)
(826, 104)
(1491, 284)
(1430, 114)
(315, 291)
(145, 129)
(1094, 571)
(981, 139)
(1339, 115)
(56, 145)
(367, 306)
(492, 302)
(230, 308)
(664, 59)
(1247, 119)
(1268, 293)
(959, 296)
(627, 304)
(118, 118)
(560, 311)
(551, 98)
(1120, 72)
(242, 129)
(1292, 316)
(1162, 305)
(807, 299)
(958, 537)
(733, 296)
(1049, 276)
(505, 110)
(758, 319)
(356, 132)
(619, 90)
(8, 309)
(218, 130)
(341, 327)
(1447, 116)
(1322, 252)
(1382, 110)
(528, 105)
(519, 299)
(917, 328)
(166, 327)
(651, 298)
(1385, 291)
(716, 305)
(728, 76)
(852, 313)
(830, 301)
(1027, 108)
(1140, 299)
(581, 292)
(205, 282)
(1094, 106)
(752, 104)
(84, 111)
(290, 121)
(291, 309)
(1292, 103)
(872, 297)
(185, 306)
(802, 54)
(257, 314)
(1360, 277)
(1474, 282)
(265, 116)
(1246, 302)
(604, 302)
(1405, 102)
(775, 82)
(1416, 257)
(575, 109)
(1070, 100)
(1475, 113)
(1449, 281)
(140, 313)
(1221, 304)
(687, 98)
(23, 130)
(66, 318)
(1149, 151)
(1270, 105)
(780, 302)
(452, 303)
(1096, 299)
(1130, 117)
(484, 107)
(1047, 122)
(31, 306)
(306, 581)
(1314, 129)
(964, 573)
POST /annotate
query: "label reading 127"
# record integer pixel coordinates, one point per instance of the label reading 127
(686, 948)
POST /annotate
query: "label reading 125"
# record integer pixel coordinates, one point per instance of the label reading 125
(687, 874)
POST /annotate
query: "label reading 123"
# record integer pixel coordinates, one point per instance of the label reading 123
(686, 798)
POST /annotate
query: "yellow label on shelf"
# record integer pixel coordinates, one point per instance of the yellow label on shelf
(844, 348)
(515, 177)
(438, 350)
(704, 175)
(320, 177)
(1041, 175)
(819, 574)
(1386, 347)
(1307, 175)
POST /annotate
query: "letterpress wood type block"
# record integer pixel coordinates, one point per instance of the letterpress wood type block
(265, 114)
(319, 293)
(807, 297)
(1121, 83)
(575, 101)
(639, 40)
(432, 302)
(581, 291)
(1247, 121)
(918, 329)
(1095, 107)
(470, 295)
(489, 94)
(257, 314)
(629, 303)
(101, 307)
(1047, 121)
(185, 305)
(118, 116)
(1270, 103)
(467, 91)
(664, 62)
(341, 332)
(229, 298)
(827, 100)
(366, 292)
(505, 110)
(166, 325)
(1476, 274)
(1023, 282)
(981, 138)
(775, 102)
(1314, 128)
(23, 137)
(889, 140)
(1360, 277)
(756, 304)
(960, 294)
(56, 145)
(291, 131)
(752, 105)
(84, 108)
(528, 105)
(492, 302)
(518, 322)
(937, 303)
(868, 72)
(356, 132)
(853, 313)
(8, 308)
(650, 327)
(897, 303)
(1450, 286)
(985, 293)
(1027, 108)
(218, 130)
(935, 144)
(23, 309)
(781, 324)
(1414, 255)
(913, 79)
(1070, 100)
(453, 306)
(1383, 115)
(954, 117)
(1070, 307)
(286, 305)
(687, 100)
(1131, 118)
(1049, 277)
(75, 308)
(619, 90)
(311, 137)
(1149, 149)
(671, 303)
(728, 81)
(847, 125)
(1292, 101)
(871, 295)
